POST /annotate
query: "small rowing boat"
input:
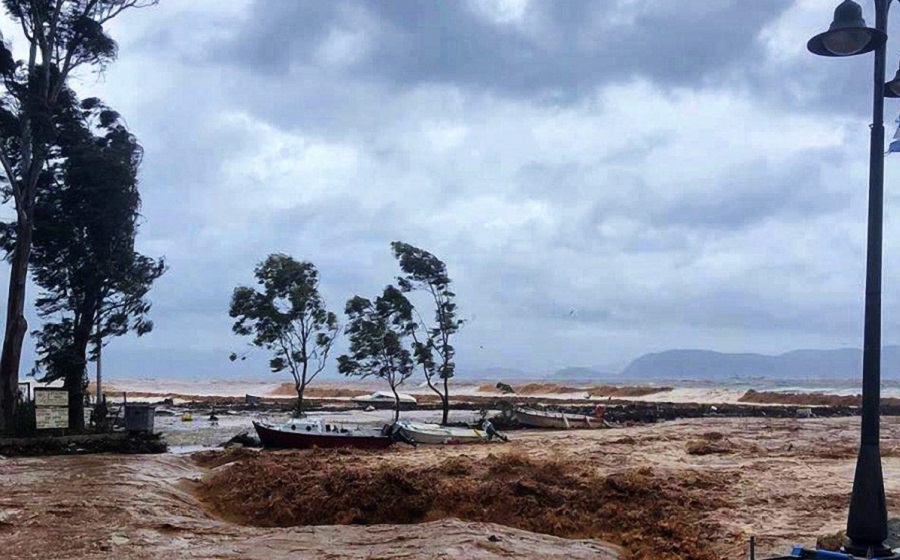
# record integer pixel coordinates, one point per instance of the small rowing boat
(385, 400)
(434, 434)
(557, 420)
(304, 433)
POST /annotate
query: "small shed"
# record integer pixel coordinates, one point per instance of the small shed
(139, 417)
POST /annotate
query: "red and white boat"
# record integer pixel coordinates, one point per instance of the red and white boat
(305, 433)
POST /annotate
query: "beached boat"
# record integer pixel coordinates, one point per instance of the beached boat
(434, 434)
(304, 433)
(556, 420)
(385, 399)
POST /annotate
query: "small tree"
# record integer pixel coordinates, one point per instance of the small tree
(287, 317)
(377, 340)
(424, 271)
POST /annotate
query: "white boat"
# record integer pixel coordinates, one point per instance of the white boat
(385, 399)
(434, 434)
(557, 420)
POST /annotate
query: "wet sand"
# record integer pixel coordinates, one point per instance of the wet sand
(785, 480)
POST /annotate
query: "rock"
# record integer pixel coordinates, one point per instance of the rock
(243, 439)
(494, 538)
(505, 389)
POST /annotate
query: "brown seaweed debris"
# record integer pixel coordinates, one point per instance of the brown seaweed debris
(710, 443)
(211, 459)
(625, 391)
(806, 399)
(289, 390)
(651, 515)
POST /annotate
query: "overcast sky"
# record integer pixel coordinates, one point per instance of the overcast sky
(603, 178)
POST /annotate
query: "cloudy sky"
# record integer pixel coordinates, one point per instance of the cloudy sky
(603, 178)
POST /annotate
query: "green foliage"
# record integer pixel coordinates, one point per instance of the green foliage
(378, 331)
(424, 271)
(288, 317)
(62, 35)
(94, 284)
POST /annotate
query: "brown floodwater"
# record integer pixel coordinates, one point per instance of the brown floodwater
(787, 481)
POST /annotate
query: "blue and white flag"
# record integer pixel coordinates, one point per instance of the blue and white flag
(894, 146)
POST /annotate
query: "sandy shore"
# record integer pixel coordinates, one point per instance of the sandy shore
(787, 481)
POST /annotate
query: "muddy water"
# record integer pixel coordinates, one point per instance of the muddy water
(104, 506)
(791, 484)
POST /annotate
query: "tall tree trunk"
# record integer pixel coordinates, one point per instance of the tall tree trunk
(99, 367)
(16, 325)
(75, 377)
(301, 385)
(396, 403)
(445, 402)
(300, 390)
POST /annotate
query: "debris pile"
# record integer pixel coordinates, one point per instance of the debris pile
(651, 514)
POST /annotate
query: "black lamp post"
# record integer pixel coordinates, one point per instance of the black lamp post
(848, 36)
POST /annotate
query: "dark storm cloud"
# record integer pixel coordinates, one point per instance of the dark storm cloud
(560, 50)
(605, 177)
(755, 192)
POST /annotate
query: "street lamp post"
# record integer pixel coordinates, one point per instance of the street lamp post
(867, 518)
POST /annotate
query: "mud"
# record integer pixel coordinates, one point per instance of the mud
(652, 515)
(141, 507)
(891, 404)
(785, 480)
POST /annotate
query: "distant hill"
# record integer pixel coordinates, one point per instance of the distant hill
(841, 363)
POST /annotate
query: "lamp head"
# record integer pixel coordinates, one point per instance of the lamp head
(847, 35)
(892, 88)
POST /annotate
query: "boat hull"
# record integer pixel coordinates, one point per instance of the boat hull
(556, 421)
(442, 436)
(280, 439)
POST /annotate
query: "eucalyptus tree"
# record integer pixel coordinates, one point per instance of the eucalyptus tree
(378, 333)
(425, 272)
(288, 316)
(62, 36)
(94, 284)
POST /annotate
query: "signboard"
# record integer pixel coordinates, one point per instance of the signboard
(51, 408)
(51, 417)
(51, 397)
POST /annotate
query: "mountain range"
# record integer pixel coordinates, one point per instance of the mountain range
(841, 363)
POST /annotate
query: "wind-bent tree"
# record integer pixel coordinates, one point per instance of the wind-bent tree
(378, 333)
(424, 271)
(94, 284)
(288, 317)
(63, 35)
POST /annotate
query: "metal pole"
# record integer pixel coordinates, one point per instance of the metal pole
(867, 519)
